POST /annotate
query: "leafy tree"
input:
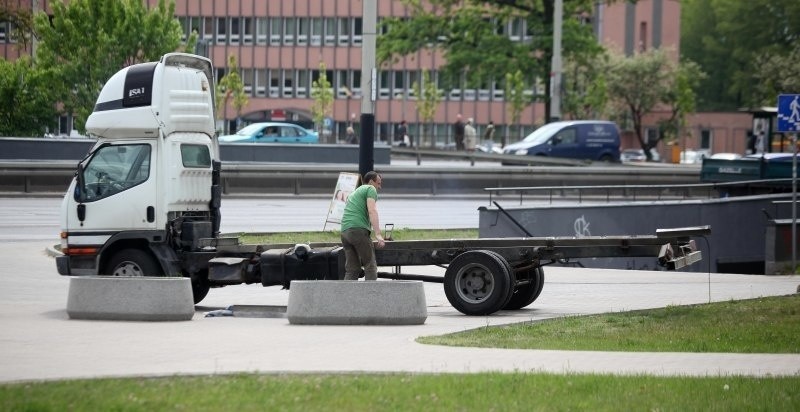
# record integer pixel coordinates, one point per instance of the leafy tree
(230, 89)
(585, 91)
(729, 40)
(515, 95)
(470, 35)
(428, 98)
(322, 94)
(641, 83)
(87, 41)
(777, 74)
(26, 105)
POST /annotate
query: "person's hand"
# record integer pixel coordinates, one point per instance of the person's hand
(379, 242)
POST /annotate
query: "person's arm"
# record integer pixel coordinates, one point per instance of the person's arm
(372, 209)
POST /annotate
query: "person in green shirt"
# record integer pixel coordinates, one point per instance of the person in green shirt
(359, 219)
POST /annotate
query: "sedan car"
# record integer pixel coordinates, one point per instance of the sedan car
(272, 132)
(637, 155)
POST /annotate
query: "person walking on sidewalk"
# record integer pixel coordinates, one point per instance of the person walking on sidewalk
(359, 219)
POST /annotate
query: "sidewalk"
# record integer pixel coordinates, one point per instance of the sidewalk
(38, 341)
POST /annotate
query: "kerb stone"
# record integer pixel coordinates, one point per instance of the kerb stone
(130, 298)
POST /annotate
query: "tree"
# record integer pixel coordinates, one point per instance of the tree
(26, 105)
(322, 94)
(230, 89)
(87, 41)
(776, 74)
(639, 84)
(585, 91)
(729, 39)
(428, 98)
(515, 94)
(470, 34)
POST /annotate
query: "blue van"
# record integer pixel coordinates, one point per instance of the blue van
(577, 139)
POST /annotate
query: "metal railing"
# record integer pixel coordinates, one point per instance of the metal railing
(639, 192)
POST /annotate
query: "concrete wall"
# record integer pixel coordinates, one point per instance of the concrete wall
(736, 243)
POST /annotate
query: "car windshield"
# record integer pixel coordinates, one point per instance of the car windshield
(543, 133)
(250, 130)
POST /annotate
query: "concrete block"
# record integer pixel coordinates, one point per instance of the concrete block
(130, 298)
(343, 302)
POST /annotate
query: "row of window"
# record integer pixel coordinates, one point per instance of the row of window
(290, 83)
(6, 28)
(300, 31)
(275, 31)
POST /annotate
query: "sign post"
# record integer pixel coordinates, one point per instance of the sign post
(789, 121)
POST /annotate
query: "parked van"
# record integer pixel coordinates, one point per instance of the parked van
(577, 139)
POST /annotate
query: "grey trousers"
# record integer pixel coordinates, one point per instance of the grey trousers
(358, 252)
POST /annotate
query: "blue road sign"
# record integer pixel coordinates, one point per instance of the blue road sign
(789, 113)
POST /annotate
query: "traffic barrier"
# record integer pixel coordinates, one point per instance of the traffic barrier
(340, 302)
(130, 298)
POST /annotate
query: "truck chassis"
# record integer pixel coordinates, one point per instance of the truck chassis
(482, 276)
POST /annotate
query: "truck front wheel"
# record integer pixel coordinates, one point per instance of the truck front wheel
(132, 262)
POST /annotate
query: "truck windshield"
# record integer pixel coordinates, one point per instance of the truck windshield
(115, 168)
(543, 133)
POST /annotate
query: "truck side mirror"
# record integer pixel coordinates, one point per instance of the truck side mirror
(78, 195)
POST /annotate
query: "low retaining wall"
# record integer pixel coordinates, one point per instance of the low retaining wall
(130, 298)
(341, 302)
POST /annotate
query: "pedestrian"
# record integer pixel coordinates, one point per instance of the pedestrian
(458, 132)
(488, 134)
(470, 135)
(350, 135)
(401, 139)
(359, 220)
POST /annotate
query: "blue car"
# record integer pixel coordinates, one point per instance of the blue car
(272, 132)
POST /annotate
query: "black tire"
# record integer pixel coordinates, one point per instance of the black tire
(133, 262)
(526, 294)
(477, 283)
(512, 277)
(200, 286)
(606, 158)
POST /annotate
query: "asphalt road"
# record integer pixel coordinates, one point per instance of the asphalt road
(38, 341)
(37, 218)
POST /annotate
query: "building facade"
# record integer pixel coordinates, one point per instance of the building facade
(280, 44)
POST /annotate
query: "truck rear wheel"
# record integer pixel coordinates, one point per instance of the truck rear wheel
(526, 294)
(200, 286)
(477, 283)
(132, 262)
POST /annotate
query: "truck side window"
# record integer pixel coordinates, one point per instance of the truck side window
(115, 168)
(195, 155)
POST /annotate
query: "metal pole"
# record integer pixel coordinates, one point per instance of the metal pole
(794, 203)
(366, 144)
(555, 70)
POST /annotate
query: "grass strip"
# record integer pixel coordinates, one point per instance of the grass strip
(407, 392)
(764, 325)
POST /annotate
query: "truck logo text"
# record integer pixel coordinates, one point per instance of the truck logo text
(136, 92)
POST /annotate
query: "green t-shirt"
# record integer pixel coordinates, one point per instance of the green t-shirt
(355, 211)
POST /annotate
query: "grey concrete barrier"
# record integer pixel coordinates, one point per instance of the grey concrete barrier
(338, 302)
(130, 298)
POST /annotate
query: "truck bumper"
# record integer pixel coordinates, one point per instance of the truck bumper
(62, 264)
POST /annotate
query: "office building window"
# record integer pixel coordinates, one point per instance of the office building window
(330, 31)
(302, 31)
(234, 30)
(222, 30)
(208, 30)
(706, 139)
(316, 31)
(274, 83)
(247, 30)
(289, 27)
(262, 30)
(247, 81)
(288, 83)
(358, 30)
(275, 30)
(343, 31)
(261, 83)
(303, 85)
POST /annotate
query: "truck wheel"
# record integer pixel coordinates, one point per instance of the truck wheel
(527, 294)
(512, 276)
(132, 262)
(200, 286)
(477, 283)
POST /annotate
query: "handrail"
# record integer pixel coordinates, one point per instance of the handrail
(686, 189)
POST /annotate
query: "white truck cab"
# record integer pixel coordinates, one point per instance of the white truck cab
(141, 195)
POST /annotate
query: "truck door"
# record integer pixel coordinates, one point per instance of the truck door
(116, 189)
(565, 143)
